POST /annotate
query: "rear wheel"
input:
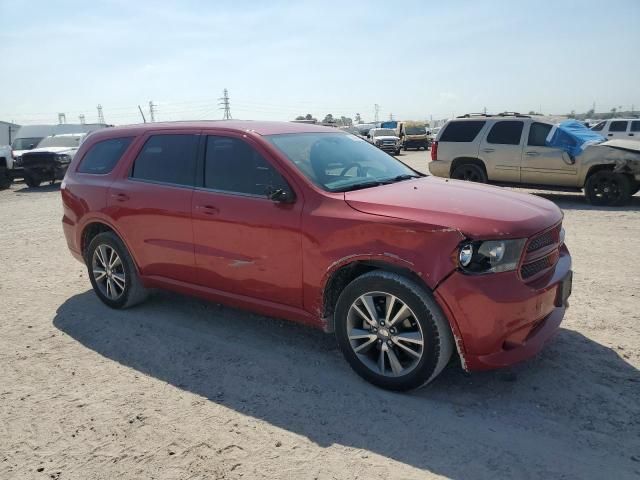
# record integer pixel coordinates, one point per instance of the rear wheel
(608, 188)
(469, 172)
(112, 272)
(32, 180)
(391, 331)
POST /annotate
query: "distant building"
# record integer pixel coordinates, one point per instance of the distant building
(8, 132)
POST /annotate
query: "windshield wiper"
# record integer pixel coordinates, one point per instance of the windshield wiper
(358, 186)
(399, 178)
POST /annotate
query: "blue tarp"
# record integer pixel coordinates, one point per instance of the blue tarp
(573, 137)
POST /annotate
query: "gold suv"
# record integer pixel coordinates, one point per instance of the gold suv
(512, 149)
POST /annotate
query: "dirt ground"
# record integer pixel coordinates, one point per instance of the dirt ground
(181, 389)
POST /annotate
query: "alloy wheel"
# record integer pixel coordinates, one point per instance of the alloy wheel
(384, 334)
(108, 271)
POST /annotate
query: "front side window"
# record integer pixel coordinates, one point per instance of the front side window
(618, 126)
(340, 162)
(538, 134)
(506, 132)
(465, 131)
(167, 159)
(232, 165)
(599, 127)
(103, 156)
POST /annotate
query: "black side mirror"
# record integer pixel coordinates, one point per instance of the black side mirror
(281, 195)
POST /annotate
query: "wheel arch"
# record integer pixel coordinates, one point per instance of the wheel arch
(97, 226)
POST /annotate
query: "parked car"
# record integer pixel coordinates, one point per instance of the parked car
(512, 150)
(50, 160)
(627, 128)
(385, 139)
(415, 137)
(315, 225)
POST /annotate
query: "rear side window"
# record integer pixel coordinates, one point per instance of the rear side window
(462, 131)
(538, 134)
(635, 126)
(103, 156)
(618, 126)
(232, 165)
(506, 133)
(168, 159)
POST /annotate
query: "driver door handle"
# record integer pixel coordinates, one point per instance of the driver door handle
(208, 209)
(488, 150)
(532, 154)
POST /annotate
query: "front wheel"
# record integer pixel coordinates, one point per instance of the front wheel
(608, 188)
(469, 172)
(113, 273)
(391, 331)
(5, 179)
(32, 180)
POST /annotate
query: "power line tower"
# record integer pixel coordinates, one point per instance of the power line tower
(100, 114)
(224, 101)
(62, 118)
(152, 111)
(376, 115)
(391, 116)
(82, 120)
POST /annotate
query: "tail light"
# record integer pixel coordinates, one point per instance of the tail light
(434, 151)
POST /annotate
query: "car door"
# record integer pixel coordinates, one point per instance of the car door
(246, 243)
(543, 165)
(617, 129)
(151, 204)
(501, 151)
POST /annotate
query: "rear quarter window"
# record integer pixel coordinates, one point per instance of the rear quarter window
(465, 131)
(103, 156)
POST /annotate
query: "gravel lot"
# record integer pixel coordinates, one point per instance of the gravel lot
(179, 388)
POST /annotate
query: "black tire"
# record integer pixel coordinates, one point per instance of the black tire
(608, 189)
(32, 180)
(133, 292)
(469, 172)
(436, 333)
(5, 179)
(397, 152)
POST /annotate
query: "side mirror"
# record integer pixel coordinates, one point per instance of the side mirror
(281, 195)
(568, 159)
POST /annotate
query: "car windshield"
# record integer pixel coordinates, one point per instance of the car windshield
(338, 162)
(383, 132)
(61, 141)
(416, 131)
(26, 143)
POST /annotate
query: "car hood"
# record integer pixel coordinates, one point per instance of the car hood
(622, 144)
(477, 211)
(53, 150)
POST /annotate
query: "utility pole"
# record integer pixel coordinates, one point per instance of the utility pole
(224, 101)
(376, 114)
(152, 111)
(484, 110)
(62, 118)
(81, 117)
(100, 114)
(391, 116)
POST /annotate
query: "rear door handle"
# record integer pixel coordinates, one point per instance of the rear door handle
(488, 150)
(631, 134)
(532, 154)
(609, 134)
(120, 197)
(208, 209)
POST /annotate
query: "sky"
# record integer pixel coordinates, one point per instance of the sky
(415, 59)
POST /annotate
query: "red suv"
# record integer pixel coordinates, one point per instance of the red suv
(318, 226)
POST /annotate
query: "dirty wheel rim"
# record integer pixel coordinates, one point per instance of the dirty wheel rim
(385, 334)
(469, 174)
(607, 190)
(108, 272)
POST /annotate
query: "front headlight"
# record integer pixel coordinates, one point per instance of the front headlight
(490, 256)
(63, 158)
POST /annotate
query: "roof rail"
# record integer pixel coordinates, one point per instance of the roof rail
(469, 115)
(513, 114)
(503, 114)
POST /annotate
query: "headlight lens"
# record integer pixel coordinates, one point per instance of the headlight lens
(63, 158)
(490, 256)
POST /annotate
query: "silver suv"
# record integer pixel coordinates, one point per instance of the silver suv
(511, 149)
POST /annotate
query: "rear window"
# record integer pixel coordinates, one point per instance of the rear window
(538, 134)
(635, 126)
(618, 126)
(465, 131)
(506, 133)
(103, 156)
(168, 159)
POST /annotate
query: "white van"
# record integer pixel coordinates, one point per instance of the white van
(628, 128)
